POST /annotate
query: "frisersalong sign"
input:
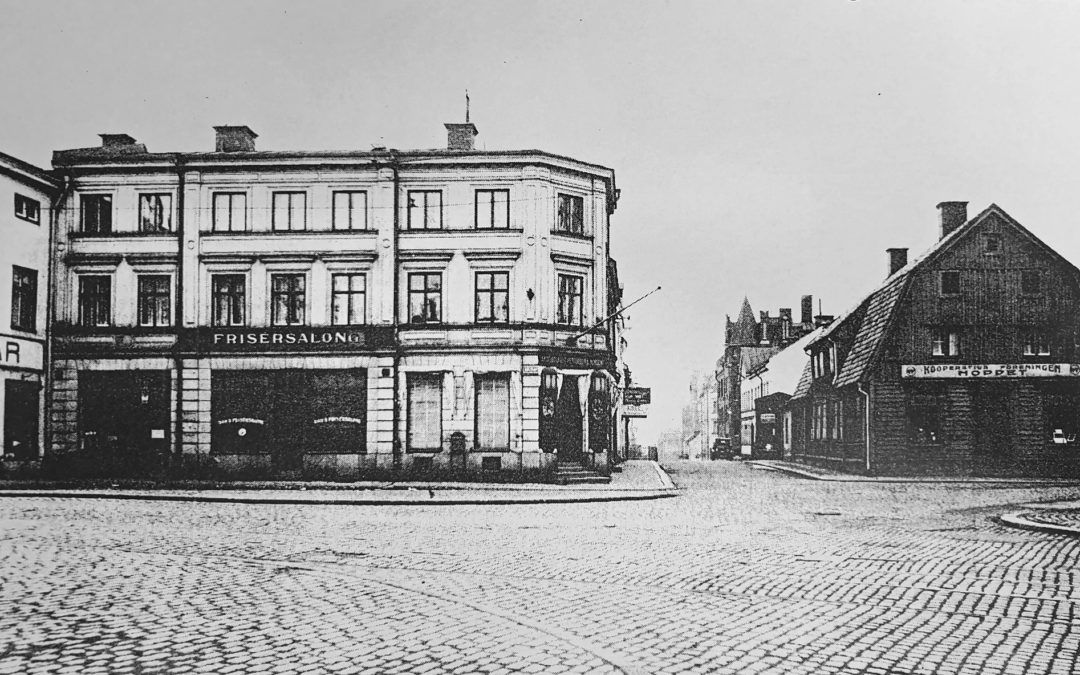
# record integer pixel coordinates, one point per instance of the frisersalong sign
(299, 339)
(990, 370)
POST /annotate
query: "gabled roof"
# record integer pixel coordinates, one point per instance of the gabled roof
(803, 388)
(882, 302)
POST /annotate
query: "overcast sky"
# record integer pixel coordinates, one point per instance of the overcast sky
(766, 149)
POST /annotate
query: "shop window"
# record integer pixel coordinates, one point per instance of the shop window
(350, 210)
(335, 403)
(27, 209)
(571, 215)
(949, 283)
(1031, 282)
(290, 211)
(425, 210)
(599, 413)
(95, 300)
(923, 418)
(229, 299)
(154, 296)
(23, 298)
(287, 299)
(424, 415)
(549, 392)
(425, 297)
(240, 410)
(1036, 343)
(155, 213)
(492, 210)
(493, 412)
(95, 215)
(492, 297)
(229, 212)
(571, 292)
(944, 341)
(348, 301)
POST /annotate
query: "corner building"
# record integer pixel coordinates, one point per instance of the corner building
(26, 194)
(331, 313)
(965, 362)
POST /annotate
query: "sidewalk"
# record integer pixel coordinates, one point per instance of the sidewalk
(639, 479)
(1057, 517)
(819, 473)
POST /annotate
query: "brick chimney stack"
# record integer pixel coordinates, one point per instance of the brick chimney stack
(953, 215)
(807, 310)
(461, 136)
(234, 139)
(897, 260)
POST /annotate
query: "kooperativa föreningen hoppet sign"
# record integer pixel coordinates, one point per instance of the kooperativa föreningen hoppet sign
(990, 370)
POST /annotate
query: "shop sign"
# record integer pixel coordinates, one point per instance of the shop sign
(637, 396)
(634, 410)
(576, 361)
(328, 339)
(16, 353)
(990, 370)
(768, 418)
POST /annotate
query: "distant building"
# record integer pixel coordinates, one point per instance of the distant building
(963, 362)
(26, 194)
(748, 343)
(699, 417)
(328, 313)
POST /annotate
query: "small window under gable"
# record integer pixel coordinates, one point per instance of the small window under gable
(991, 243)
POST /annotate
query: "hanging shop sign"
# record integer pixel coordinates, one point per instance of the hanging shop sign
(23, 354)
(299, 339)
(637, 396)
(961, 371)
(634, 410)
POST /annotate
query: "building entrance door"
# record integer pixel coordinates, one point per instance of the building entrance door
(993, 423)
(21, 419)
(568, 421)
(124, 420)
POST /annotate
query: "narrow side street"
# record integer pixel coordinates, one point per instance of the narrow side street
(747, 571)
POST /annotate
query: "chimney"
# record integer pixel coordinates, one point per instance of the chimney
(461, 136)
(764, 315)
(116, 140)
(234, 139)
(897, 259)
(785, 314)
(953, 215)
(807, 310)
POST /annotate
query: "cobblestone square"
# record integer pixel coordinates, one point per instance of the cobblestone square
(748, 571)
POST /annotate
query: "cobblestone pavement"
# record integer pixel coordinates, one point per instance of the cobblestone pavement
(749, 571)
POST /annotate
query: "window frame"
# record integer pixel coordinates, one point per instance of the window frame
(1031, 282)
(165, 213)
(410, 204)
(290, 210)
(416, 380)
(96, 302)
(294, 297)
(230, 295)
(1037, 343)
(479, 380)
(493, 206)
(103, 217)
(28, 209)
(561, 317)
(348, 294)
(944, 342)
(565, 211)
(24, 290)
(997, 242)
(488, 296)
(945, 292)
(232, 196)
(147, 298)
(424, 294)
(350, 209)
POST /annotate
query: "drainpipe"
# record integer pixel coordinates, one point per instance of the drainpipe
(397, 315)
(50, 304)
(178, 310)
(866, 424)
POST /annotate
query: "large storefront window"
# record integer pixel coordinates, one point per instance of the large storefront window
(549, 393)
(493, 411)
(289, 413)
(599, 414)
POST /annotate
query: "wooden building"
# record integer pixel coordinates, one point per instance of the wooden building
(963, 362)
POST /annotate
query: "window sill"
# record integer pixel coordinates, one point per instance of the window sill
(468, 230)
(423, 451)
(280, 233)
(572, 236)
(121, 235)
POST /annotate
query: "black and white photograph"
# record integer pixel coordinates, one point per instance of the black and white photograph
(540, 336)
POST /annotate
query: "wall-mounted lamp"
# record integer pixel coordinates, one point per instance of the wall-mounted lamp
(529, 294)
(144, 396)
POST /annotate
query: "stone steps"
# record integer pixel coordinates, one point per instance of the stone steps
(572, 473)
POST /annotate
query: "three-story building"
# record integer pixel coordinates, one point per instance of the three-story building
(333, 312)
